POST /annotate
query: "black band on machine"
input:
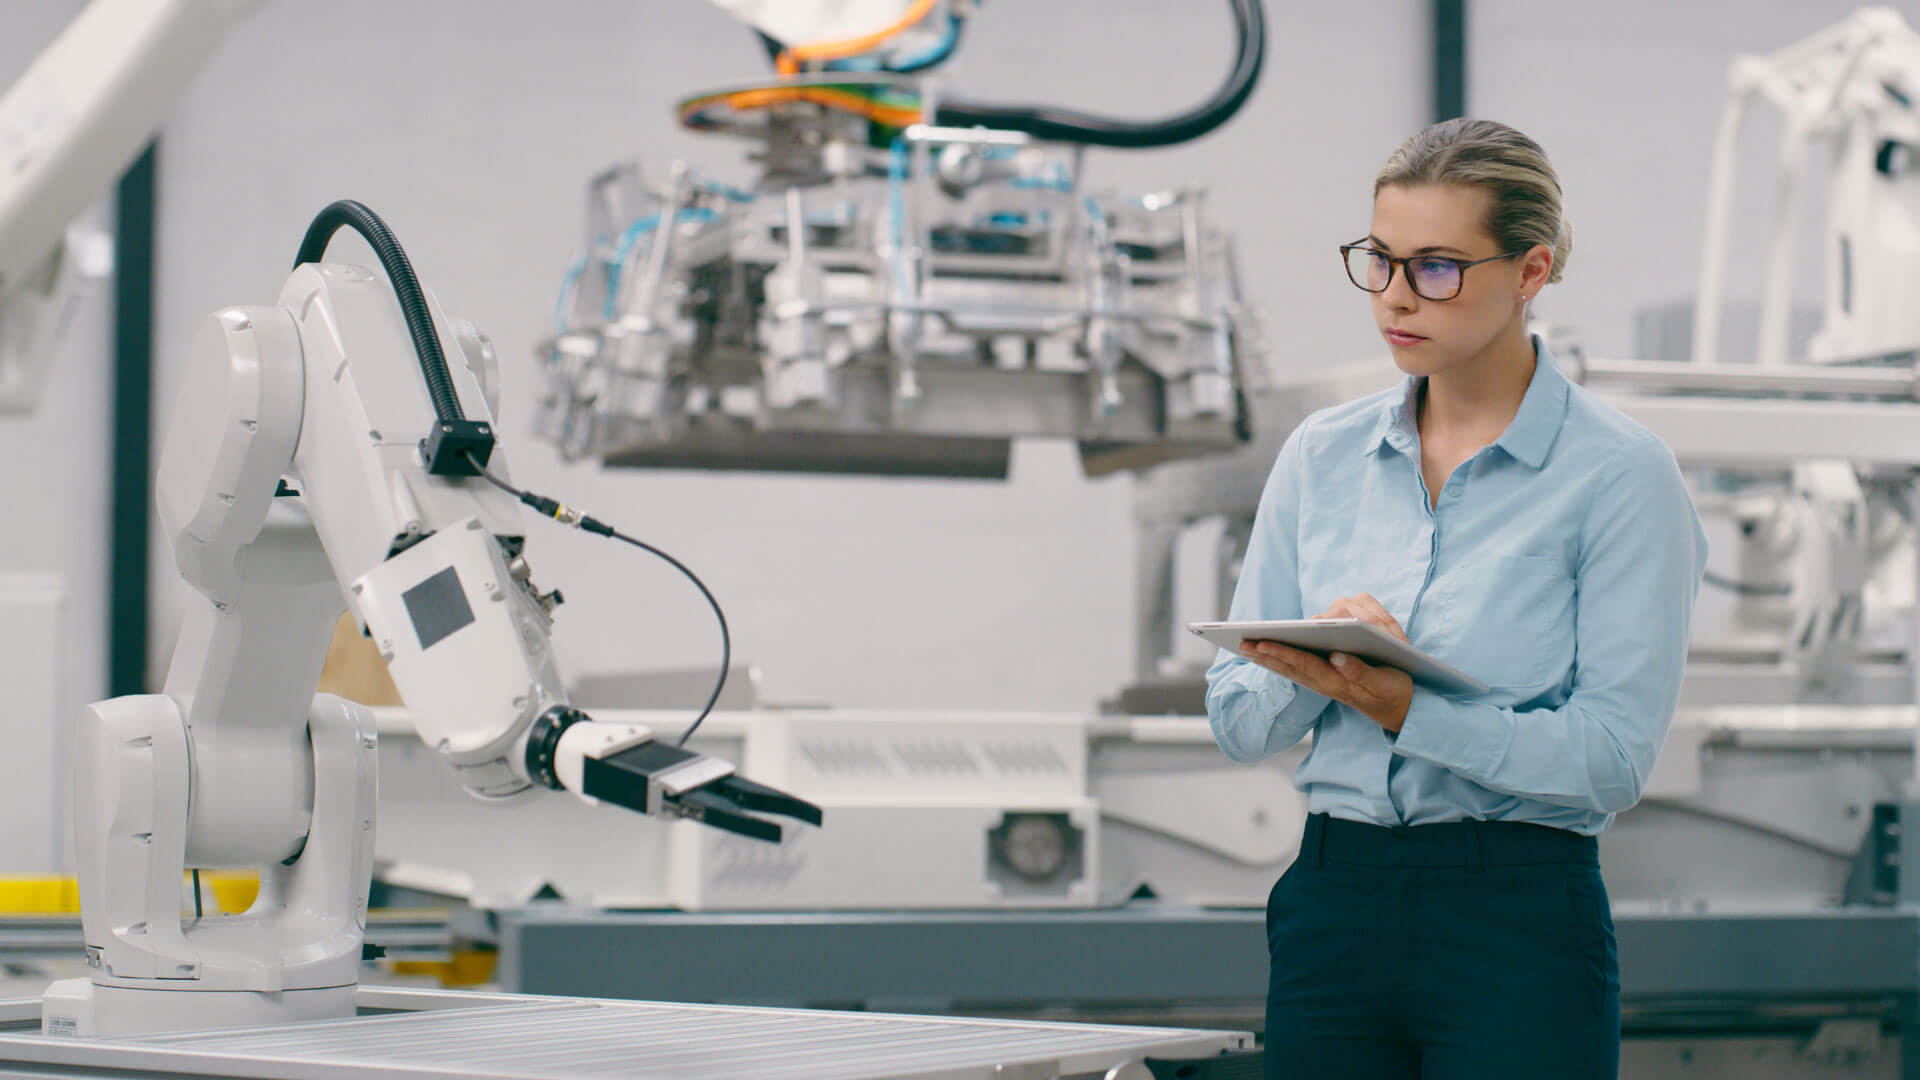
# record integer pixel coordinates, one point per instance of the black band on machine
(543, 743)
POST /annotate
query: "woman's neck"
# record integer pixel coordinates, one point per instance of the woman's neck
(1475, 401)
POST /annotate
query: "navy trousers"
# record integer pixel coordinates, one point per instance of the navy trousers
(1442, 952)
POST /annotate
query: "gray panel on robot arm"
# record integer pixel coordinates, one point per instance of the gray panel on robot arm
(469, 649)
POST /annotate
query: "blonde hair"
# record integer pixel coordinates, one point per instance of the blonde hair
(1511, 168)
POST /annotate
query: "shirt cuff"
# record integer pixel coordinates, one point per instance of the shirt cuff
(1467, 739)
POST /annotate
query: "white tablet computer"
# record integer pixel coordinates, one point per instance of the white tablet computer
(1352, 636)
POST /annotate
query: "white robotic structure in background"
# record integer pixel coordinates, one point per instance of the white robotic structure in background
(310, 467)
(1823, 563)
(72, 122)
(1856, 86)
(912, 282)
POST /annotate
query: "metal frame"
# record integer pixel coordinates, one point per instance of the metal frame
(134, 230)
(404, 933)
(1137, 956)
(1449, 59)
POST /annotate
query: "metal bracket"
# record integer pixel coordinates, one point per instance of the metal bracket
(1876, 876)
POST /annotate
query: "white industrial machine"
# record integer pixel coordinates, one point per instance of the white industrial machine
(930, 811)
(326, 455)
(1856, 88)
(912, 281)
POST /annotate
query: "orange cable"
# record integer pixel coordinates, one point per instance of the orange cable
(744, 100)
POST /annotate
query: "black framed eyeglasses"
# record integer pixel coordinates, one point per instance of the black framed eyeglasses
(1433, 277)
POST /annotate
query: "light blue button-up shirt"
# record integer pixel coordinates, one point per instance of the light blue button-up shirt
(1559, 567)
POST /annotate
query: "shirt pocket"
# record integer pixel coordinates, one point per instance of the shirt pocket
(1506, 620)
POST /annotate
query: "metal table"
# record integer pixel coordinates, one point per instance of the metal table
(416, 1035)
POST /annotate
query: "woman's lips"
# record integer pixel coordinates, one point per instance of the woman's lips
(1401, 337)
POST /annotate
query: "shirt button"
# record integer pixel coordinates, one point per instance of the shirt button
(1453, 489)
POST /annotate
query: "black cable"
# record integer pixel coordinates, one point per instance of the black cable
(1747, 588)
(196, 896)
(726, 641)
(1066, 125)
(566, 515)
(347, 213)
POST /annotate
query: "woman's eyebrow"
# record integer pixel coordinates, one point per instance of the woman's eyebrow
(1428, 250)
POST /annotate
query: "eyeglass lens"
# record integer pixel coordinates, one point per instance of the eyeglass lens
(1433, 278)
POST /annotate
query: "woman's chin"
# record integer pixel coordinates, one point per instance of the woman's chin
(1416, 361)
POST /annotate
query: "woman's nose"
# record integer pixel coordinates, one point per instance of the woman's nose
(1399, 295)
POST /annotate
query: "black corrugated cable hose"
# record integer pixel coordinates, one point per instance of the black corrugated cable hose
(347, 213)
(1066, 125)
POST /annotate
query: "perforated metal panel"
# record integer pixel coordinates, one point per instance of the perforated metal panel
(513, 1038)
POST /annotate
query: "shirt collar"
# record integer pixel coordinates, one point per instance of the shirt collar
(1542, 412)
(1396, 426)
(1528, 437)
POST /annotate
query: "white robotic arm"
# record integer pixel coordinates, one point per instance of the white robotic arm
(324, 455)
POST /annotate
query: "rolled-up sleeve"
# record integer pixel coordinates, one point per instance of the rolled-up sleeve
(1254, 712)
(1642, 558)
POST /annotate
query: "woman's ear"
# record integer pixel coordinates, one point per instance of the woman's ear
(1535, 267)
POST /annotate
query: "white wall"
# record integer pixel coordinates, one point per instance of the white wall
(1625, 97)
(472, 127)
(54, 495)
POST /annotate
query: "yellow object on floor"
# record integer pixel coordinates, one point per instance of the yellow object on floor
(468, 967)
(22, 894)
(230, 892)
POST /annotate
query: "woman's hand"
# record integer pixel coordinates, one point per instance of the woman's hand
(1381, 694)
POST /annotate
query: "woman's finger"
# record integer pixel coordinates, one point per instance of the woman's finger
(1374, 612)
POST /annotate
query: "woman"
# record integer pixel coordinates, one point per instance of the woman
(1445, 916)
